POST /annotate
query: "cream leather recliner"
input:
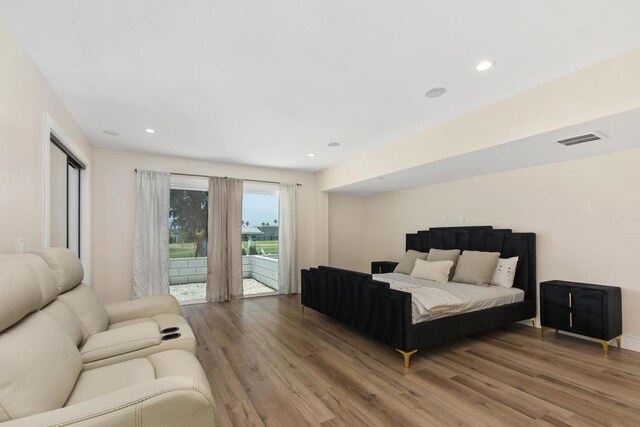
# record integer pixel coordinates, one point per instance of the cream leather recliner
(114, 332)
(42, 381)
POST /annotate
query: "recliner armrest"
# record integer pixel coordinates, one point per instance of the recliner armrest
(143, 307)
(120, 341)
(164, 402)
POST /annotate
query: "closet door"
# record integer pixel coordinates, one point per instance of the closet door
(59, 198)
(64, 198)
(73, 208)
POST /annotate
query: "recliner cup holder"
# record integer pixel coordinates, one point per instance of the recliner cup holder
(169, 330)
(170, 336)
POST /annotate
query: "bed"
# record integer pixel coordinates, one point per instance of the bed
(432, 300)
(374, 308)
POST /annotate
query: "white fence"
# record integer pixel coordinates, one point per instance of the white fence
(187, 270)
(194, 270)
(262, 268)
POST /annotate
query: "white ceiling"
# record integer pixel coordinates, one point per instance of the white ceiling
(620, 132)
(266, 82)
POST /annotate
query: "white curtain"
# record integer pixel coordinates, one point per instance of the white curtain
(151, 235)
(287, 270)
(224, 250)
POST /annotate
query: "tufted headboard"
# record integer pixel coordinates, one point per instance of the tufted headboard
(485, 238)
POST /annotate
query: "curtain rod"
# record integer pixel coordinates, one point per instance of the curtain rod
(225, 177)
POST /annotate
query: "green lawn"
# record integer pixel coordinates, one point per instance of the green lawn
(182, 250)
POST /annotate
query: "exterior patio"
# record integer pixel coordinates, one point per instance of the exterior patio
(188, 276)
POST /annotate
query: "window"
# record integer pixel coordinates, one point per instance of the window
(188, 237)
(260, 238)
(64, 201)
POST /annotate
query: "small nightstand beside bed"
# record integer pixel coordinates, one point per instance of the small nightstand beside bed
(418, 306)
(594, 311)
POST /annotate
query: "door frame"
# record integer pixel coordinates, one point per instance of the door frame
(52, 129)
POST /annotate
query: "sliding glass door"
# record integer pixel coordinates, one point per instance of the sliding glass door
(260, 238)
(188, 238)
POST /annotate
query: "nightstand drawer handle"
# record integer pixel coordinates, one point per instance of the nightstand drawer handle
(569, 299)
(571, 320)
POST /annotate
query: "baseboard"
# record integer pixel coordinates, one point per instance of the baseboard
(629, 342)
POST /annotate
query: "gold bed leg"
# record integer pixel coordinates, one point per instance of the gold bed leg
(407, 355)
(604, 344)
(619, 341)
(533, 322)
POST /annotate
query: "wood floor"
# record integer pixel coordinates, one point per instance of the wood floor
(268, 364)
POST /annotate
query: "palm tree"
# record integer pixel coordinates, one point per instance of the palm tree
(275, 221)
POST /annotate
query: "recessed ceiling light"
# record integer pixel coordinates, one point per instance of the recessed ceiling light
(333, 144)
(485, 65)
(110, 132)
(435, 92)
(311, 155)
(149, 130)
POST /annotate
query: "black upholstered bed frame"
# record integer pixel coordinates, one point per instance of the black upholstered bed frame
(382, 313)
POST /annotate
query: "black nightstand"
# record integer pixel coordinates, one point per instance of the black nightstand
(582, 308)
(378, 267)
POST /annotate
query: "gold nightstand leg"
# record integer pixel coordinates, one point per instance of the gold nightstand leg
(407, 355)
(302, 309)
(533, 322)
(619, 341)
(604, 344)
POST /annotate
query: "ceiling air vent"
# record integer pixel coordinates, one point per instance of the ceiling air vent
(588, 137)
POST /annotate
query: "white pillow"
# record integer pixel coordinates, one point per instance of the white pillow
(438, 271)
(505, 272)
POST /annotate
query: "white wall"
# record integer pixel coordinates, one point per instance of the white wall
(346, 229)
(586, 214)
(114, 211)
(321, 225)
(25, 99)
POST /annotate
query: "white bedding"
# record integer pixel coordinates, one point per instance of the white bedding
(432, 300)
